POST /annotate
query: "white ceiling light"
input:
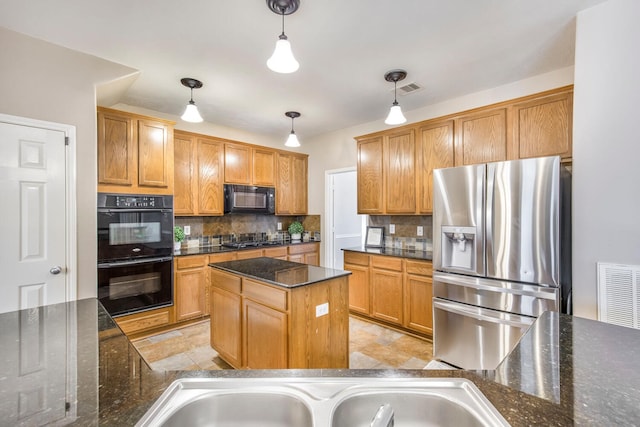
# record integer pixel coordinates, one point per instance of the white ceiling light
(395, 116)
(191, 113)
(292, 141)
(282, 60)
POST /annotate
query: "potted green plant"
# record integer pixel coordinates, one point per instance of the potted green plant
(296, 229)
(178, 237)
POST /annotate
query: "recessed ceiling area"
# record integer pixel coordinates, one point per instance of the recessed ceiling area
(448, 48)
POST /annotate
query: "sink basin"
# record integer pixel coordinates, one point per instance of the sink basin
(320, 402)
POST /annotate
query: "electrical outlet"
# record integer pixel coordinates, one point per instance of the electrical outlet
(392, 229)
(322, 309)
(187, 230)
(279, 226)
(420, 231)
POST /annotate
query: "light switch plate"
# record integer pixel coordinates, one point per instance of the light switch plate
(420, 231)
(392, 229)
(279, 226)
(187, 230)
(322, 309)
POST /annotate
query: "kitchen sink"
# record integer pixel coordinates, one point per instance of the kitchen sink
(320, 402)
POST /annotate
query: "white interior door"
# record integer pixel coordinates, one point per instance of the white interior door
(33, 254)
(344, 222)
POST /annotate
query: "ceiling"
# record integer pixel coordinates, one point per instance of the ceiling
(448, 47)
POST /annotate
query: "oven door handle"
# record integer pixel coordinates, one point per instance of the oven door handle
(483, 315)
(133, 210)
(134, 262)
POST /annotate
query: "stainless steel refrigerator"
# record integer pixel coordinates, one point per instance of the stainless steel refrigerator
(501, 255)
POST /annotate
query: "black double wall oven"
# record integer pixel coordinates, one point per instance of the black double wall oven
(135, 252)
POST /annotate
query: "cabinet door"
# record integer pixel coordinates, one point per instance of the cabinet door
(312, 258)
(435, 150)
(250, 253)
(296, 258)
(359, 299)
(185, 185)
(284, 186)
(155, 155)
(543, 126)
(265, 336)
(386, 295)
(117, 155)
(418, 310)
(370, 176)
(299, 183)
(481, 137)
(226, 325)
(190, 290)
(263, 167)
(210, 175)
(400, 172)
(237, 168)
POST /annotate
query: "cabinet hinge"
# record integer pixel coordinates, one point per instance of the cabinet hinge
(66, 140)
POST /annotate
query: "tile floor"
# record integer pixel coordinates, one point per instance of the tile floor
(370, 347)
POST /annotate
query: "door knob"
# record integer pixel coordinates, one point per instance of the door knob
(56, 270)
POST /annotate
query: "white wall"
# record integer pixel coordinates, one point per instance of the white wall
(606, 145)
(47, 82)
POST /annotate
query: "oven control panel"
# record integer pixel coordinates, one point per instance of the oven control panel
(134, 201)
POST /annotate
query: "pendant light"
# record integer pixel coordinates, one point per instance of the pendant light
(191, 113)
(292, 141)
(282, 60)
(395, 116)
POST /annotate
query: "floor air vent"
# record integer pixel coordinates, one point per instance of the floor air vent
(619, 294)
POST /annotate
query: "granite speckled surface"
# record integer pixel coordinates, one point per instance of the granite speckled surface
(207, 250)
(279, 272)
(92, 375)
(395, 252)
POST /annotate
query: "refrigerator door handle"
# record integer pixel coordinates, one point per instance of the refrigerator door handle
(489, 285)
(482, 314)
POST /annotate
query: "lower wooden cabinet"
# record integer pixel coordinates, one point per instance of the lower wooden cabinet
(146, 321)
(190, 287)
(265, 336)
(395, 291)
(226, 332)
(305, 253)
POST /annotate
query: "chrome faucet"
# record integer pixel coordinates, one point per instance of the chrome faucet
(384, 417)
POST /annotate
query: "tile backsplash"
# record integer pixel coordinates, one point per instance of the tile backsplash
(406, 230)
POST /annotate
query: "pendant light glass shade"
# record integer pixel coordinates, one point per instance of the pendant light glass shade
(395, 116)
(191, 113)
(282, 60)
(292, 141)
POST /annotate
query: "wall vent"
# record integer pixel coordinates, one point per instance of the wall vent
(408, 88)
(619, 294)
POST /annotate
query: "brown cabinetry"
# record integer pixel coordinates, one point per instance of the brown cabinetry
(190, 287)
(371, 196)
(226, 317)
(263, 166)
(146, 321)
(395, 291)
(400, 172)
(481, 137)
(135, 153)
(199, 175)
(237, 164)
(434, 151)
(305, 253)
(291, 184)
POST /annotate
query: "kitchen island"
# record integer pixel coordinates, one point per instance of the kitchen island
(580, 372)
(268, 313)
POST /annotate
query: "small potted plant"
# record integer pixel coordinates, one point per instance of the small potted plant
(178, 237)
(296, 229)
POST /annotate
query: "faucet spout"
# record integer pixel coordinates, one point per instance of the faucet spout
(384, 417)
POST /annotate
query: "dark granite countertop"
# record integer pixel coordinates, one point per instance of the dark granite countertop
(70, 364)
(396, 252)
(207, 250)
(279, 272)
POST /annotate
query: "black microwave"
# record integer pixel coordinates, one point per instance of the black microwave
(249, 199)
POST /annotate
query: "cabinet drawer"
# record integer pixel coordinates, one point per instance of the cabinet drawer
(386, 262)
(191, 261)
(303, 248)
(144, 322)
(421, 268)
(272, 297)
(224, 256)
(274, 252)
(356, 258)
(226, 281)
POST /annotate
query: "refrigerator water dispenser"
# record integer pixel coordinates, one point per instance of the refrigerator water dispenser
(459, 248)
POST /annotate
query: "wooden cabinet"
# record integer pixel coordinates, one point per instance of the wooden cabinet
(542, 126)
(394, 291)
(250, 253)
(305, 253)
(371, 194)
(190, 287)
(359, 297)
(279, 252)
(263, 166)
(291, 184)
(237, 164)
(199, 175)
(146, 321)
(135, 153)
(400, 172)
(256, 325)
(481, 137)
(387, 296)
(434, 151)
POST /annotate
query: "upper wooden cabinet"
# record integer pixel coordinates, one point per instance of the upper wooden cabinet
(400, 172)
(481, 137)
(244, 164)
(291, 184)
(135, 153)
(371, 187)
(542, 126)
(199, 175)
(434, 151)
(263, 166)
